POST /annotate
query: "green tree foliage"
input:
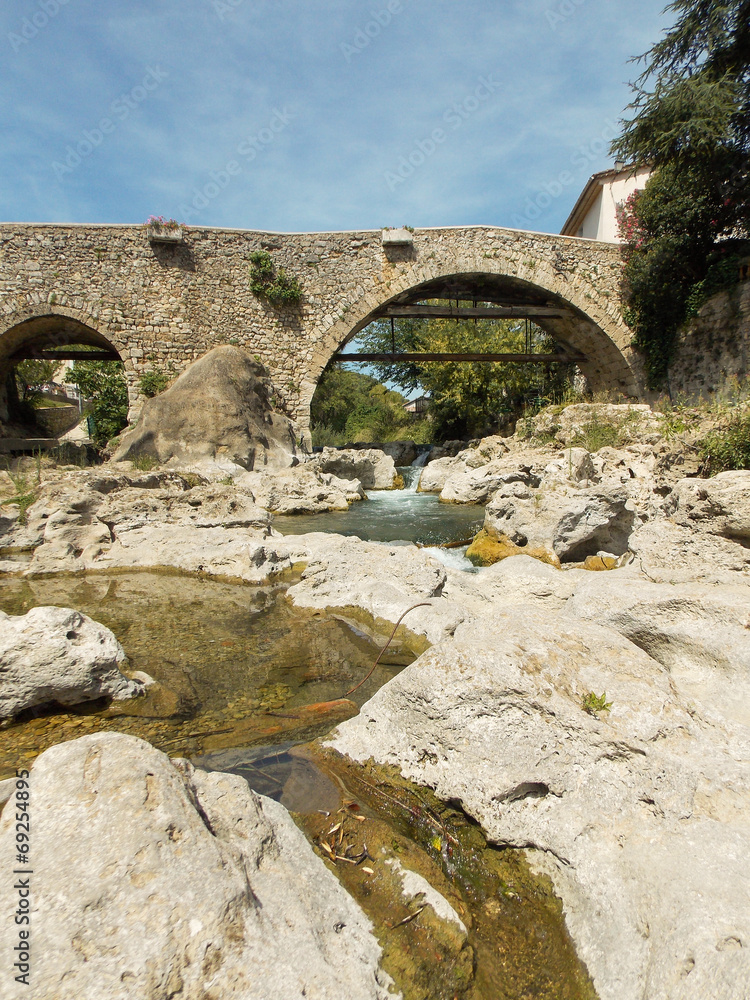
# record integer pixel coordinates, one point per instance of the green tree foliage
(103, 384)
(691, 123)
(30, 374)
(467, 398)
(349, 406)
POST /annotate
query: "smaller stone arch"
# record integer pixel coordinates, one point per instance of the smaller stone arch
(45, 328)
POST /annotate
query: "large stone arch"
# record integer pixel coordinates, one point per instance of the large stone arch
(50, 326)
(591, 324)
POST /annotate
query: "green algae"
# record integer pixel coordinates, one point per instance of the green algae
(516, 945)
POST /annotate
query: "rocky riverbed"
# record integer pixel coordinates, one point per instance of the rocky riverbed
(583, 697)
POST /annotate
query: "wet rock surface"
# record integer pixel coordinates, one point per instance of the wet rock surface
(639, 813)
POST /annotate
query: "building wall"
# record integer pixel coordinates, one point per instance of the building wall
(600, 222)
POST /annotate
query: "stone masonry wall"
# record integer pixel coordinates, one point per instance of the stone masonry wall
(164, 306)
(713, 350)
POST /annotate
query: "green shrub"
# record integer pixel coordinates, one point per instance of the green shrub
(721, 275)
(597, 434)
(277, 287)
(153, 382)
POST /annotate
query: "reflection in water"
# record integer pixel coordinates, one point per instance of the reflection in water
(235, 658)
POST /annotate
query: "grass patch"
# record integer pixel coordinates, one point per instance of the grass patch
(727, 447)
(144, 463)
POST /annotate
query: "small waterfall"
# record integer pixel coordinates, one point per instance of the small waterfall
(411, 473)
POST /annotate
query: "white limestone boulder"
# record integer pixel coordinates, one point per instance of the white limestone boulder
(720, 505)
(373, 468)
(666, 552)
(221, 406)
(575, 523)
(635, 422)
(701, 634)
(641, 816)
(435, 474)
(381, 580)
(302, 490)
(58, 655)
(152, 879)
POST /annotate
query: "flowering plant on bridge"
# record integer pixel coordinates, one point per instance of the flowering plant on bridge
(161, 230)
(159, 222)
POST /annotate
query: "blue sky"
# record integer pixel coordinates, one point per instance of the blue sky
(306, 115)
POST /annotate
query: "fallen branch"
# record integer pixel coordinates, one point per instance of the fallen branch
(423, 604)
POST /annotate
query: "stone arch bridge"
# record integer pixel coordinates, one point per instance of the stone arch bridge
(162, 305)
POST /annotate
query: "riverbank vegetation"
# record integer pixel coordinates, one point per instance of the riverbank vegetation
(468, 399)
(351, 407)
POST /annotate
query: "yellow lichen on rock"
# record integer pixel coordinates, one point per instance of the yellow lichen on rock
(599, 563)
(490, 547)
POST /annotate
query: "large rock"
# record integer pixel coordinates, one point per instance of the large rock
(700, 634)
(154, 880)
(381, 580)
(220, 407)
(575, 523)
(302, 490)
(720, 505)
(402, 452)
(666, 552)
(477, 484)
(209, 528)
(436, 473)
(641, 815)
(374, 469)
(57, 655)
(600, 424)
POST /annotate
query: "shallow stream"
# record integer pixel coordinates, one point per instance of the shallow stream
(394, 515)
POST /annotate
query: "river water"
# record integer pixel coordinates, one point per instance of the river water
(394, 515)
